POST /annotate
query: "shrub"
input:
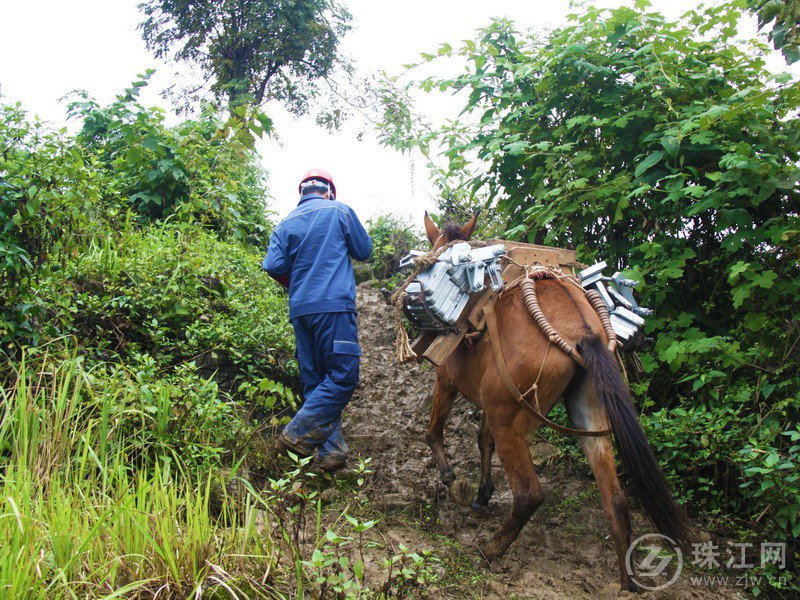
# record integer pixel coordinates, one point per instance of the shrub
(59, 193)
(392, 239)
(46, 194)
(197, 171)
(179, 295)
(169, 417)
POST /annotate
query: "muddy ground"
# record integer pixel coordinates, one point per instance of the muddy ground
(564, 552)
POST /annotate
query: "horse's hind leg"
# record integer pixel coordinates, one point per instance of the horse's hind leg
(512, 447)
(486, 445)
(586, 413)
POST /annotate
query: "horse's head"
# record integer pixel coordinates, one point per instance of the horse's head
(450, 232)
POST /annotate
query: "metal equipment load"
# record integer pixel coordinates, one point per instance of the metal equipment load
(436, 298)
(627, 317)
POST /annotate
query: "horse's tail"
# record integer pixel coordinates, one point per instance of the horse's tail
(649, 484)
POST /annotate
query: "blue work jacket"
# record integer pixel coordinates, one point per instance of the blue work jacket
(313, 245)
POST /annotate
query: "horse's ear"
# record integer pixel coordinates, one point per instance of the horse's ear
(431, 230)
(468, 229)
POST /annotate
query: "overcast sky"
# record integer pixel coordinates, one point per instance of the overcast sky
(49, 47)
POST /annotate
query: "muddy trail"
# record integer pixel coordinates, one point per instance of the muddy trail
(565, 550)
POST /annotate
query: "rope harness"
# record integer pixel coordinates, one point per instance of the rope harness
(528, 285)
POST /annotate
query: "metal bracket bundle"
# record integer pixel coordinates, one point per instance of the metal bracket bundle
(437, 297)
(627, 317)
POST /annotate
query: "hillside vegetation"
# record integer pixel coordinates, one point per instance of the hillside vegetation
(668, 150)
(146, 359)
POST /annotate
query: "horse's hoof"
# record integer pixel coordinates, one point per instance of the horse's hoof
(462, 492)
(448, 476)
(480, 509)
(630, 586)
(491, 551)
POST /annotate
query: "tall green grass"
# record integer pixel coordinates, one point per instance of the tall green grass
(77, 521)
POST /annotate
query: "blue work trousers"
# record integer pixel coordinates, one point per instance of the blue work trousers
(329, 356)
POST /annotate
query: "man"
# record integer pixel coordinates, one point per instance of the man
(309, 253)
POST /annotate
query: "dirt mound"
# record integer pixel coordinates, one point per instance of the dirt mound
(564, 552)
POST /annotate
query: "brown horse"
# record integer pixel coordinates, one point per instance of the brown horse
(596, 398)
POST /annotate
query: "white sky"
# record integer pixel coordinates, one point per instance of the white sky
(50, 47)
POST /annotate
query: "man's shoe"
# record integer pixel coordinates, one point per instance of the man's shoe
(283, 443)
(331, 462)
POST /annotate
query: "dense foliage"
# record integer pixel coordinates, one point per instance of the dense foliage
(177, 295)
(665, 149)
(124, 168)
(137, 245)
(192, 172)
(144, 353)
(46, 190)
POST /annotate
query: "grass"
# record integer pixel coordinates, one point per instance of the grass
(571, 504)
(82, 517)
(78, 522)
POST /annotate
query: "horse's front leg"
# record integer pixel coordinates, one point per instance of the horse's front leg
(486, 445)
(444, 394)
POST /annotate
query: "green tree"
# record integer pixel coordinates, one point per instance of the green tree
(253, 50)
(665, 148)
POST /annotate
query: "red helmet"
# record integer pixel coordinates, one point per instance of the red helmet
(317, 174)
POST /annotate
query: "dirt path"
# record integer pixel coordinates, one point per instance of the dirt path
(564, 552)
